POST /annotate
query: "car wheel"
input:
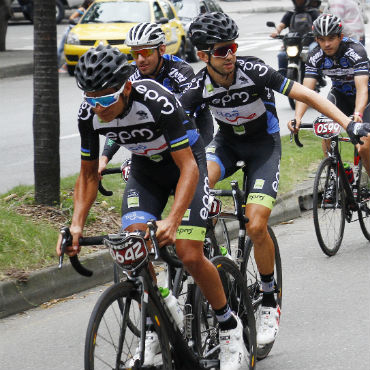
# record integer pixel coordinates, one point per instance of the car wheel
(59, 10)
(71, 70)
(181, 52)
(28, 11)
(192, 56)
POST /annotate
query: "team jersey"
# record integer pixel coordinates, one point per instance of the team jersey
(153, 125)
(247, 107)
(175, 74)
(349, 61)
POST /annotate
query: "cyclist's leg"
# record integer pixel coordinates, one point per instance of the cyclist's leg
(364, 150)
(263, 169)
(221, 160)
(189, 247)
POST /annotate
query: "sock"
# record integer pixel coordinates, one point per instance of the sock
(225, 318)
(268, 290)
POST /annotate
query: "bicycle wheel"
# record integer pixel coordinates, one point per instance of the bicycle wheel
(251, 275)
(110, 344)
(205, 326)
(328, 217)
(363, 186)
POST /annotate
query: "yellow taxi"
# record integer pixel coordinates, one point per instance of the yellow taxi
(108, 21)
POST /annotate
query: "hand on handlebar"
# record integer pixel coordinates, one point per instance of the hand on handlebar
(74, 249)
(356, 130)
(293, 125)
(274, 35)
(166, 232)
(103, 161)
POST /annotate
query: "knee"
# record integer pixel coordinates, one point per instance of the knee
(192, 261)
(257, 231)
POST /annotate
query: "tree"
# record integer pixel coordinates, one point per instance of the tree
(4, 17)
(46, 105)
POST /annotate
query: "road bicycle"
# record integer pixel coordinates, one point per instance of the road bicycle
(337, 196)
(111, 342)
(243, 255)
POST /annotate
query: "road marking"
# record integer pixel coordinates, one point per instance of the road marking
(68, 136)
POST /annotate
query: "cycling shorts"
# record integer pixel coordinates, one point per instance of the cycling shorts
(149, 187)
(347, 104)
(262, 158)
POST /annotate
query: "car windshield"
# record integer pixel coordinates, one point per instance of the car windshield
(186, 9)
(118, 12)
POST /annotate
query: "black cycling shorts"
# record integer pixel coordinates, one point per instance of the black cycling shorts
(147, 191)
(262, 157)
(347, 104)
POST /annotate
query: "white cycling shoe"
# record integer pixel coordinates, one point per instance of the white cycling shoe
(233, 353)
(152, 348)
(267, 324)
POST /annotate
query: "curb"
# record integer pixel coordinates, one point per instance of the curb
(52, 283)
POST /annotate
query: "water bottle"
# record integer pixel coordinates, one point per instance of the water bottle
(225, 252)
(349, 172)
(173, 306)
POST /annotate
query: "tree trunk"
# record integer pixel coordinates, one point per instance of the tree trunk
(4, 17)
(46, 105)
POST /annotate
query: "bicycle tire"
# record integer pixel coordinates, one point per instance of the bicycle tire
(118, 276)
(249, 271)
(363, 186)
(205, 326)
(108, 336)
(329, 222)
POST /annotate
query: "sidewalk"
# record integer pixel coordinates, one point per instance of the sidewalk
(52, 283)
(15, 63)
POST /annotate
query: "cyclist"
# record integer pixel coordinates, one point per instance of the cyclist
(167, 154)
(345, 61)
(147, 42)
(239, 93)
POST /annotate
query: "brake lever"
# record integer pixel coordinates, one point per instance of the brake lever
(152, 230)
(66, 241)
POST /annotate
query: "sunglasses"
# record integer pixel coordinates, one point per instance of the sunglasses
(146, 52)
(223, 51)
(105, 100)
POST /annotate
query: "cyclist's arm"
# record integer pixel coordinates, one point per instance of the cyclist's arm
(362, 97)
(83, 197)
(318, 102)
(300, 108)
(110, 149)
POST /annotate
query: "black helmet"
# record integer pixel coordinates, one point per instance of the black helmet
(327, 24)
(304, 5)
(101, 68)
(210, 28)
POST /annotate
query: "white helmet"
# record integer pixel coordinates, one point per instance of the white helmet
(145, 34)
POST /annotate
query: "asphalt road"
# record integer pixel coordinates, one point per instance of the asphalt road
(325, 323)
(16, 140)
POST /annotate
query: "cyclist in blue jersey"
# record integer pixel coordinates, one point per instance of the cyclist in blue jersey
(346, 62)
(167, 155)
(147, 42)
(239, 93)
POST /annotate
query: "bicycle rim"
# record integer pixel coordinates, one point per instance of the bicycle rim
(205, 322)
(251, 275)
(363, 186)
(328, 219)
(110, 344)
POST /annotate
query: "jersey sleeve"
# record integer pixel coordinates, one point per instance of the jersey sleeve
(89, 138)
(192, 99)
(187, 76)
(311, 66)
(359, 57)
(110, 148)
(265, 76)
(177, 127)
